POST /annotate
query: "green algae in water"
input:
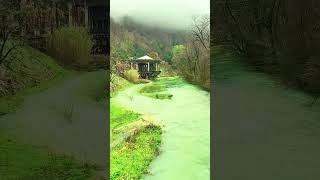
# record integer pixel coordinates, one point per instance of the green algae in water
(160, 96)
(159, 88)
(153, 88)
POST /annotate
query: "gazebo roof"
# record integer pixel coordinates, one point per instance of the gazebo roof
(145, 59)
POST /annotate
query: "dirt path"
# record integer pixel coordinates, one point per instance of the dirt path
(47, 118)
(263, 130)
(185, 150)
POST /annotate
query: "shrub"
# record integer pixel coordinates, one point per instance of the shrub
(70, 45)
(132, 75)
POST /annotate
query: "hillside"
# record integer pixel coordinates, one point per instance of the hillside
(186, 52)
(131, 38)
(25, 70)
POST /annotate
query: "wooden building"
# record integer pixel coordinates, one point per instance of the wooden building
(94, 15)
(147, 67)
(46, 16)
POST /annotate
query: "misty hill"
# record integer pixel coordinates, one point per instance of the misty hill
(130, 38)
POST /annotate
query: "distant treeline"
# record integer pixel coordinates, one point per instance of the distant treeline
(280, 37)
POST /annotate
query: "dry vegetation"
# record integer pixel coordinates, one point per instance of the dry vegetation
(192, 60)
(132, 75)
(71, 46)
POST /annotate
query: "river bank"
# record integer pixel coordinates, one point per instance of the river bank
(134, 139)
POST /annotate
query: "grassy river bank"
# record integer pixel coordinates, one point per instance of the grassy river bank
(134, 139)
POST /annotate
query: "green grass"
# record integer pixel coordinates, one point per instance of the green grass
(132, 159)
(21, 161)
(118, 84)
(34, 72)
(120, 117)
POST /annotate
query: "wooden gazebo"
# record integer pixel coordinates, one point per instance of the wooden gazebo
(147, 67)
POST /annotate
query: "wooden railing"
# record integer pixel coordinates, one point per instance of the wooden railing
(149, 74)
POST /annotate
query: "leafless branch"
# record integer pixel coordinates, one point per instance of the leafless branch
(201, 30)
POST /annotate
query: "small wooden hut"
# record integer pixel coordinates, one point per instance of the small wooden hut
(94, 15)
(147, 67)
(47, 16)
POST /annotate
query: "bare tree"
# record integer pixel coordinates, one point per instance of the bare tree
(11, 22)
(201, 30)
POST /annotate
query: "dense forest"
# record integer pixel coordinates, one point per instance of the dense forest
(184, 51)
(280, 37)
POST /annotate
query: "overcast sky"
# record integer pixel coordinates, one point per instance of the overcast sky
(168, 13)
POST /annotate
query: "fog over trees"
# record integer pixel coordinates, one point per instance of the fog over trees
(177, 32)
(162, 13)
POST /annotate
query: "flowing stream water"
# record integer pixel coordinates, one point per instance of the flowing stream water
(185, 148)
(65, 118)
(263, 130)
